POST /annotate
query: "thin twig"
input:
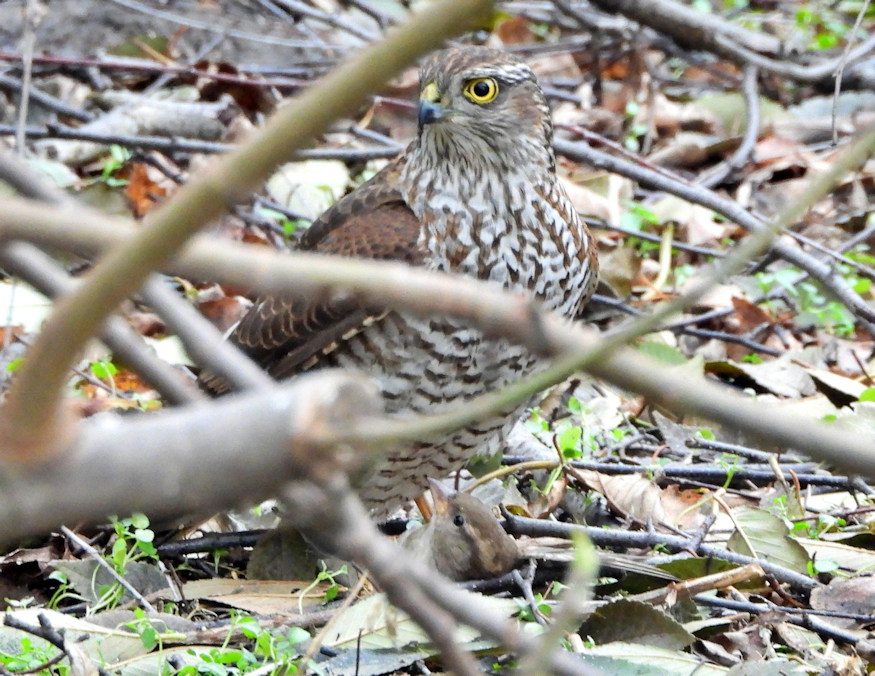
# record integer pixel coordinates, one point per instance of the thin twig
(100, 561)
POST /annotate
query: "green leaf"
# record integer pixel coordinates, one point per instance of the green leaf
(103, 369)
(661, 352)
(139, 520)
(144, 535)
(868, 394)
(568, 440)
(297, 634)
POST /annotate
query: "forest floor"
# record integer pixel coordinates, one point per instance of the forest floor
(727, 551)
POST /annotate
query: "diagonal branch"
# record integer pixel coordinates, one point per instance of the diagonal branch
(32, 421)
(495, 312)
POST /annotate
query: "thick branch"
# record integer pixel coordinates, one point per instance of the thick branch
(201, 459)
(497, 313)
(30, 422)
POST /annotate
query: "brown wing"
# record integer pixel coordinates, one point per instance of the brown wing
(281, 333)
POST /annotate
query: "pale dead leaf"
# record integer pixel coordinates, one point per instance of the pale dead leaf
(684, 508)
(717, 297)
(630, 495)
(618, 267)
(768, 535)
(261, 597)
(374, 623)
(780, 376)
(854, 559)
(838, 388)
(309, 188)
(587, 202)
(555, 66)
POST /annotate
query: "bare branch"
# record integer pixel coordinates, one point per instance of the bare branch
(493, 311)
(192, 461)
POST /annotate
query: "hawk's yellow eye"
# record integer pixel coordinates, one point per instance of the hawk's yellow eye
(481, 90)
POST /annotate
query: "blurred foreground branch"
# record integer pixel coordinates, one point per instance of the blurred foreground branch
(495, 312)
(32, 421)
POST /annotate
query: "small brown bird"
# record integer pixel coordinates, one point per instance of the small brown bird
(463, 540)
(474, 194)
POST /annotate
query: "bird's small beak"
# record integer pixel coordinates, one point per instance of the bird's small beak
(440, 495)
(430, 108)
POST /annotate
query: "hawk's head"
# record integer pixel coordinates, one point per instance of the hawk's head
(483, 97)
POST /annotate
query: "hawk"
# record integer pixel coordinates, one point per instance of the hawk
(474, 194)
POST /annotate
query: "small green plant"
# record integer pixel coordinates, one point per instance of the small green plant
(134, 541)
(619, 433)
(815, 308)
(823, 29)
(639, 219)
(636, 129)
(105, 370)
(682, 274)
(118, 157)
(819, 566)
(536, 422)
(730, 463)
(324, 575)
(279, 650)
(527, 614)
(64, 592)
(567, 440)
(32, 654)
(816, 528)
(143, 627)
(781, 509)
(289, 225)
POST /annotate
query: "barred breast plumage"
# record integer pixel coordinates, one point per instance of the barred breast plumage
(474, 194)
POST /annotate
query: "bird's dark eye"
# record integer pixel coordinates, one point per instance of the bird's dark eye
(459, 520)
(481, 90)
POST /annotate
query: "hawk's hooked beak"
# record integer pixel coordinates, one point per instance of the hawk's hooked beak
(430, 108)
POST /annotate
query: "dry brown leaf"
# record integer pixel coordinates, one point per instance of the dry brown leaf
(683, 508)
(638, 498)
(142, 190)
(748, 315)
(147, 324)
(855, 596)
(515, 31)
